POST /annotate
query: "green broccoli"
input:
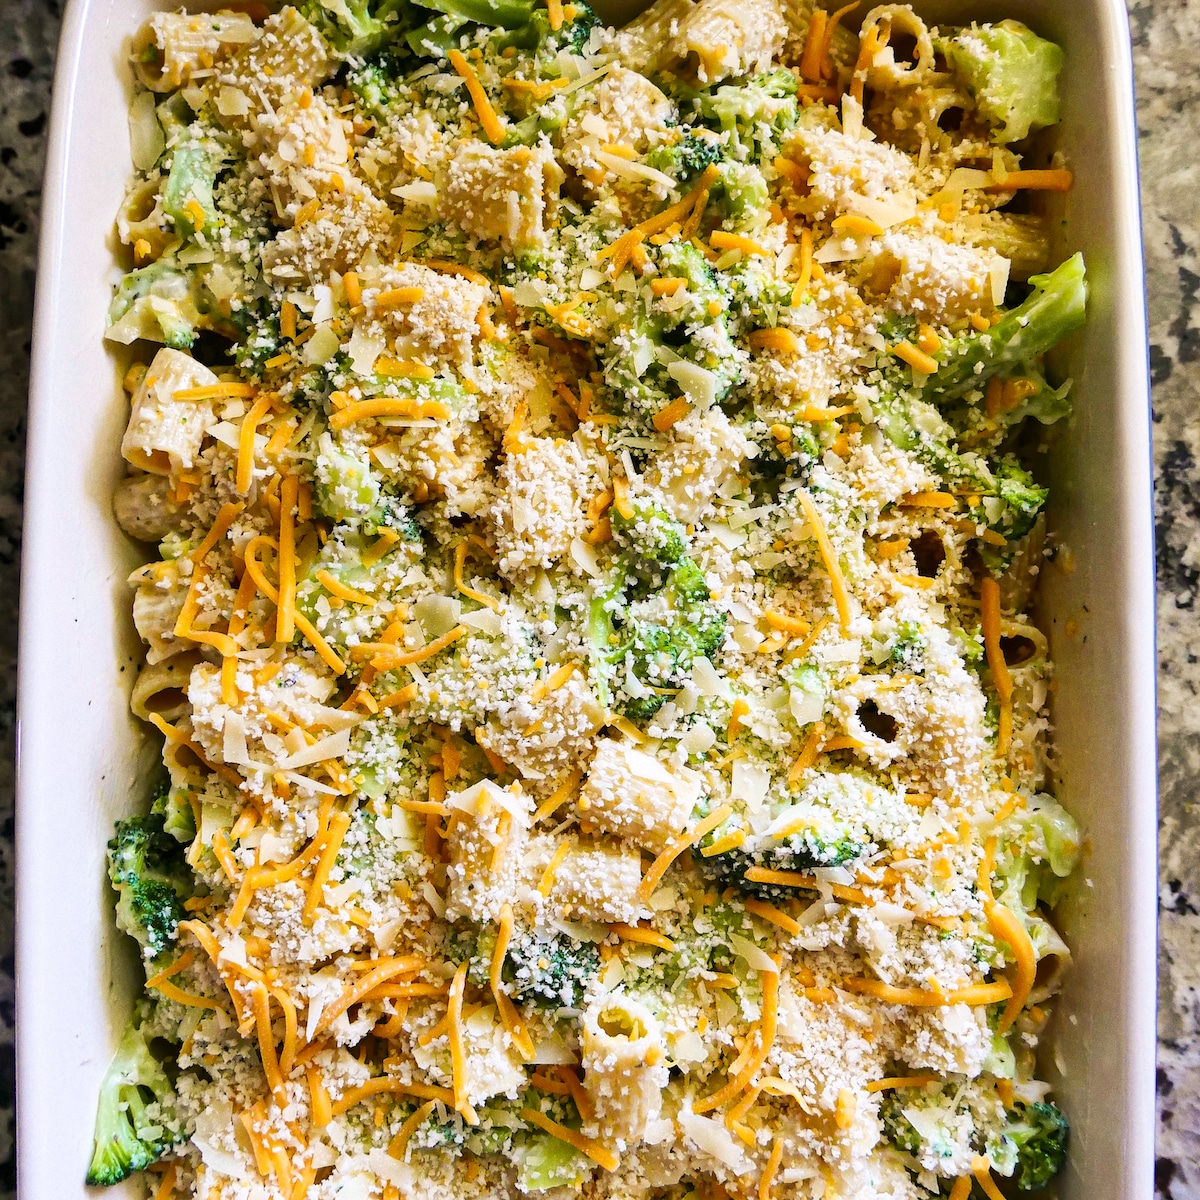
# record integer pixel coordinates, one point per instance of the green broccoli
(544, 1162)
(1011, 73)
(135, 1122)
(743, 194)
(1039, 1134)
(187, 196)
(1039, 847)
(172, 805)
(257, 338)
(907, 648)
(373, 82)
(801, 852)
(155, 303)
(535, 35)
(549, 969)
(356, 28)
(761, 107)
(651, 534)
(1056, 306)
(146, 867)
(542, 967)
(896, 1126)
(649, 624)
(1009, 501)
(684, 159)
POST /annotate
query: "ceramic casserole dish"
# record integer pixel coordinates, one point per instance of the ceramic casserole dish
(82, 755)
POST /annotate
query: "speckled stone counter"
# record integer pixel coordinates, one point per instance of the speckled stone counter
(1169, 114)
(1165, 36)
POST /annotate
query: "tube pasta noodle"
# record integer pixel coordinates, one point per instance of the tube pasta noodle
(587, 603)
(624, 1066)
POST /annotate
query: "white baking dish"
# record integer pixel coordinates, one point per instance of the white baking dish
(80, 750)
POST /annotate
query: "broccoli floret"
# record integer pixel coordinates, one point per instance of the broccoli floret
(684, 159)
(1011, 73)
(765, 104)
(171, 804)
(896, 1126)
(146, 866)
(1054, 308)
(579, 29)
(259, 340)
(650, 534)
(135, 1121)
(1039, 1132)
(550, 969)
(187, 196)
(374, 82)
(644, 642)
(355, 27)
(155, 303)
(541, 967)
(907, 648)
(800, 852)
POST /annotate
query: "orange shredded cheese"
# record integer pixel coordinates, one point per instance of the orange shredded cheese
(902, 1081)
(728, 841)
(670, 415)
(1040, 181)
(560, 795)
(979, 993)
(393, 1086)
(676, 847)
(981, 1168)
(647, 937)
(285, 615)
(856, 225)
(397, 1147)
(335, 587)
(740, 710)
(599, 1154)
(814, 46)
(509, 1016)
(915, 357)
(776, 916)
(783, 341)
(329, 852)
(244, 473)
(385, 657)
(758, 1048)
(721, 239)
(837, 581)
(458, 1059)
(388, 406)
(385, 969)
(398, 297)
(773, 1159)
(395, 368)
(491, 123)
(546, 883)
(460, 559)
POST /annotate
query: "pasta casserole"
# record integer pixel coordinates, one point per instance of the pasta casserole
(605, 745)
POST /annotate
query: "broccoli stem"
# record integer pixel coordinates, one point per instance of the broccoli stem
(507, 14)
(128, 1138)
(1054, 308)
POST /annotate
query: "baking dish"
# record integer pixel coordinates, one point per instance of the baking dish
(81, 755)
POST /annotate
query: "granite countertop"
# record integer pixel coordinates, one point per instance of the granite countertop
(1165, 34)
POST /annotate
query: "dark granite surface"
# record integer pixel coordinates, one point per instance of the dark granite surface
(1165, 34)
